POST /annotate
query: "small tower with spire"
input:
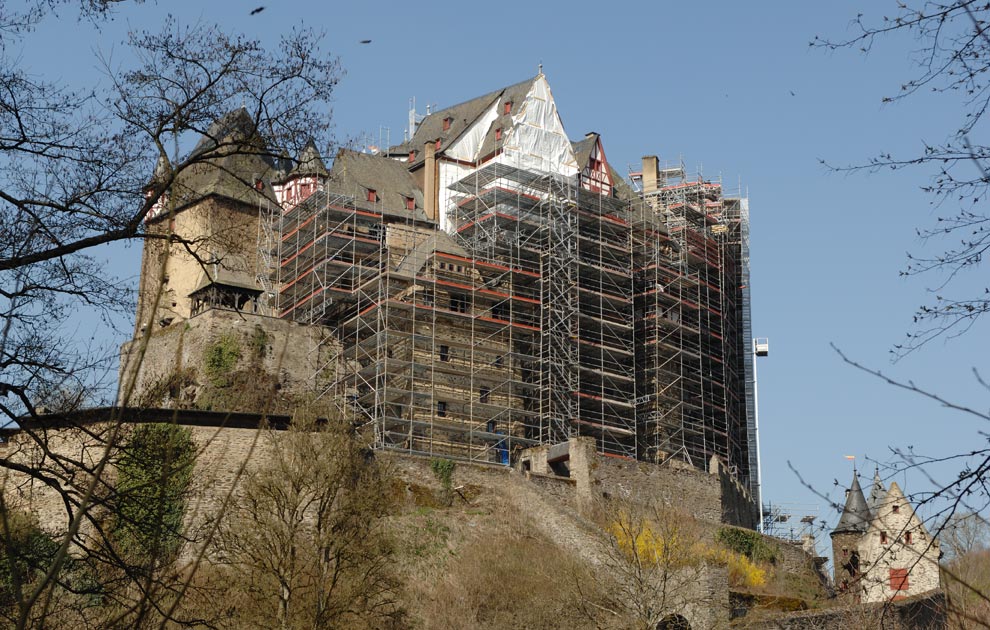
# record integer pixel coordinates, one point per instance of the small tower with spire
(305, 178)
(846, 536)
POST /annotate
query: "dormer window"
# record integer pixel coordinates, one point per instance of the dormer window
(438, 144)
(372, 195)
(498, 134)
(410, 204)
(412, 155)
(446, 123)
(507, 107)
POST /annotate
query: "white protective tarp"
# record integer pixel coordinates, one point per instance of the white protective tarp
(468, 146)
(537, 139)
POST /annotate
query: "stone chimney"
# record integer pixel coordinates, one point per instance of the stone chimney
(650, 171)
(430, 192)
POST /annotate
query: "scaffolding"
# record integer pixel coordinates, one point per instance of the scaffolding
(580, 247)
(688, 261)
(549, 311)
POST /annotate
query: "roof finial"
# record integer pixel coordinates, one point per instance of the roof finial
(541, 69)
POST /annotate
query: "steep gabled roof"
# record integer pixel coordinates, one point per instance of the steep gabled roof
(355, 173)
(309, 162)
(462, 116)
(440, 241)
(584, 147)
(856, 515)
(582, 153)
(877, 494)
(241, 159)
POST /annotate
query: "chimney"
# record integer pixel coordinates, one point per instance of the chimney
(430, 180)
(650, 166)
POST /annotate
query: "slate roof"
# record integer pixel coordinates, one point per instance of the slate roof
(412, 263)
(582, 153)
(241, 158)
(877, 494)
(355, 173)
(310, 162)
(461, 118)
(856, 515)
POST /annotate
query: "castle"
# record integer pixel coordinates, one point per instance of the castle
(487, 286)
(881, 550)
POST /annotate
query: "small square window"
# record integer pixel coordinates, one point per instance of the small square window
(498, 134)
(458, 303)
(883, 538)
(372, 195)
(484, 394)
(907, 538)
(508, 107)
(442, 408)
(410, 203)
(438, 144)
(446, 123)
(444, 353)
(412, 155)
(896, 509)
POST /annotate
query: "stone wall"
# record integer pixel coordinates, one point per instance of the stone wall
(924, 612)
(713, 497)
(280, 355)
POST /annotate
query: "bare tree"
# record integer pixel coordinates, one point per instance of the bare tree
(952, 59)
(305, 543)
(657, 571)
(83, 167)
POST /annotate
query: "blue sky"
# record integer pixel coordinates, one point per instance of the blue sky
(728, 85)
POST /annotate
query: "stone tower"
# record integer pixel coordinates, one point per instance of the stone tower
(846, 537)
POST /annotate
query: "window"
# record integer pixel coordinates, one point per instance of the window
(458, 303)
(500, 310)
(899, 580)
(484, 394)
(442, 408)
(410, 203)
(883, 538)
(446, 123)
(412, 155)
(445, 353)
(507, 108)
(896, 508)
(907, 538)
(428, 297)
(498, 134)
(438, 144)
(372, 195)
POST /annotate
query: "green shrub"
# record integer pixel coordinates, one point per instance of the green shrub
(749, 543)
(154, 473)
(220, 360)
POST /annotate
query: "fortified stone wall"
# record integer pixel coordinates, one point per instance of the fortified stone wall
(714, 496)
(923, 612)
(276, 356)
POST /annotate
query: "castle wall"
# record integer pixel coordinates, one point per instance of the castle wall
(173, 372)
(714, 497)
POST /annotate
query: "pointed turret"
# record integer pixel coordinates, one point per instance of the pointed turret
(856, 515)
(309, 162)
(877, 494)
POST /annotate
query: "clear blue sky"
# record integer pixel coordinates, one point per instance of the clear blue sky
(731, 86)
